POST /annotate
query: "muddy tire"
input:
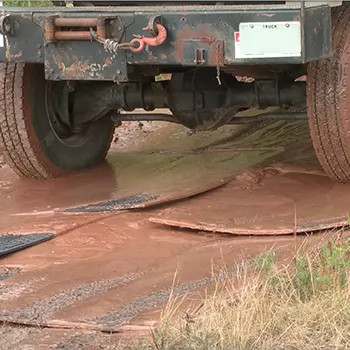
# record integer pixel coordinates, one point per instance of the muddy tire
(28, 139)
(328, 101)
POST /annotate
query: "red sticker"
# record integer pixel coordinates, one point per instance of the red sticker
(237, 37)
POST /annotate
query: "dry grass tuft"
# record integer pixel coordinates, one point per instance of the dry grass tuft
(303, 306)
(28, 3)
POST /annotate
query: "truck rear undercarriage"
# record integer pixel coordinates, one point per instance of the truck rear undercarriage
(203, 52)
(96, 64)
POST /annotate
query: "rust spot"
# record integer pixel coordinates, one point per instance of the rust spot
(108, 61)
(74, 68)
(204, 35)
(17, 55)
(268, 14)
(10, 52)
(49, 30)
(58, 61)
(152, 57)
(75, 35)
(8, 48)
(27, 16)
(206, 40)
(76, 22)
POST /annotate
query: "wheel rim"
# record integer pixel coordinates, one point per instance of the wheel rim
(59, 100)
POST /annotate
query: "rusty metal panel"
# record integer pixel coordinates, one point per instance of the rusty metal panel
(27, 44)
(75, 55)
(83, 61)
(202, 53)
(195, 36)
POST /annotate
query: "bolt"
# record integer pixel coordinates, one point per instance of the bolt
(287, 25)
(118, 71)
(251, 26)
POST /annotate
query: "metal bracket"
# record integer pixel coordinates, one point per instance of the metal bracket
(6, 25)
(53, 28)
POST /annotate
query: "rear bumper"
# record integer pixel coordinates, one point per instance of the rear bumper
(195, 36)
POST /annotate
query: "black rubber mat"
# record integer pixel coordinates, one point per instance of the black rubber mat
(125, 203)
(13, 243)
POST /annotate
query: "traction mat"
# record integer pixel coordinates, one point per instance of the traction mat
(143, 201)
(11, 243)
(129, 180)
(287, 198)
(131, 202)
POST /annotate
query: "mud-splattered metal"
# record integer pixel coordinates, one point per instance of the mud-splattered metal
(196, 35)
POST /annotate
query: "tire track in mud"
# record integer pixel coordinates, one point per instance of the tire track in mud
(144, 303)
(148, 302)
(126, 313)
(43, 309)
(12, 337)
(239, 134)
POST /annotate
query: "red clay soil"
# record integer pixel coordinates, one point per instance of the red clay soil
(105, 271)
(278, 200)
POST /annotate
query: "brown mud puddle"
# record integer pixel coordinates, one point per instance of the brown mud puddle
(281, 199)
(111, 269)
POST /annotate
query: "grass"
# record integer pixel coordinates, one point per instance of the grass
(29, 3)
(305, 305)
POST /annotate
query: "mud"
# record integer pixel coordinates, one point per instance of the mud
(280, 199)
(117, 268)
(12, 337)
(42, 310)
(131, 136)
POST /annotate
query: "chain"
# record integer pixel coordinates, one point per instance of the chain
(218, 62)
(111, 45)
(218, 75)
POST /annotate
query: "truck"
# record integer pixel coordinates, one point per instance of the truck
(69, 75)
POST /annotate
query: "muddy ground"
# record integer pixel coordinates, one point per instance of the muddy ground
(128, 136)
(116, 257)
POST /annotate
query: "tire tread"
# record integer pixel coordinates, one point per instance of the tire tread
(326, 119)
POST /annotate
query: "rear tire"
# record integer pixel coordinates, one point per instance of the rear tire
(28, 139)
(328, 101)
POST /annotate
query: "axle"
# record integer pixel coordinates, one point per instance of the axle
(199, 101)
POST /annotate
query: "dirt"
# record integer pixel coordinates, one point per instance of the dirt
(131, 135)
(295, 200)
(117, 268)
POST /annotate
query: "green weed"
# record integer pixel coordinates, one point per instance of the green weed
(305, 305)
